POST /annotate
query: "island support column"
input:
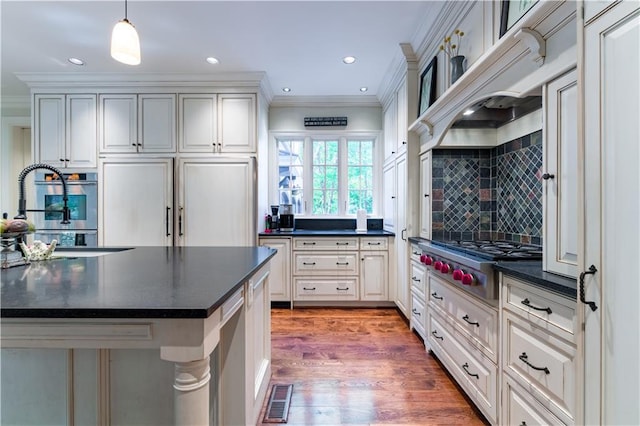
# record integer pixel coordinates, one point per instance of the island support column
(191, 392)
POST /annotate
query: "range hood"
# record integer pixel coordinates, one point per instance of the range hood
(496, 111)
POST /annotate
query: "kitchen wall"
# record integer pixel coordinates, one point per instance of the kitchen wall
(489, 193)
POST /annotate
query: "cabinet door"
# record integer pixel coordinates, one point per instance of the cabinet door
(389, 201)
(402, 243)
(280, 278)
(49, 132)
(197, 116)
(390, 132)
(402, 124)
(560, 197)
(374, 275)
(425, 195)
(118, 123)
(81, 135)
(136, 201)
(216, 202)
(237, 123)
(157, 123)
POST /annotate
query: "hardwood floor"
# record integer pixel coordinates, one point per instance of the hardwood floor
(361, 367)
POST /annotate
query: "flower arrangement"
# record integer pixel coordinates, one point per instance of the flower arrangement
(452, 48)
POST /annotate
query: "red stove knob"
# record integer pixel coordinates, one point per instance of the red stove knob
(467, 279)
(437, 265)
(457, 274)
(445, 268)
(423, 258)
(428, 260)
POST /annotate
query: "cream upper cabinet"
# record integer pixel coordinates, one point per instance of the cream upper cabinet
(560, 178)
(390, 134)
(217, 123)
(137, 123)
(425, 195)
(65, 130)
(402, 117)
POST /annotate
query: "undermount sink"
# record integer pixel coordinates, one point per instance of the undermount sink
(87, 252)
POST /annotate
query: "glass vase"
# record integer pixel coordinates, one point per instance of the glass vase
(457, 67)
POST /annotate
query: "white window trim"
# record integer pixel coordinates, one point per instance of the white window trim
(341, 136)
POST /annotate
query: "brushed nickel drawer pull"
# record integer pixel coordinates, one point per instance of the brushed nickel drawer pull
(308, 263)
(465, 366)
(524, 358)
(435, 334)
(435, 296)
(526, 302)
(466, 318)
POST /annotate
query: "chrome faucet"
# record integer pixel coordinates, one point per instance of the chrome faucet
(22, 202)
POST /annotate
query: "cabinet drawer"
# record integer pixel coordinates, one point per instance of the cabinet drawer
(326, 289)
(474, 372)
(325, 264)
(377, 243)
(418, 279)
(325, 243)
(418, 314)
(416, 252)
(476, 320)
(519, 408)
(539, 306)
(540, 361)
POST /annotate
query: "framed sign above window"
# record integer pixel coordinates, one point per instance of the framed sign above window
(427, 86)
(512, 11)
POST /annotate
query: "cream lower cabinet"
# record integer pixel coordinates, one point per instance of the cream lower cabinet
(463, 333)
(280, 279)
(332, 269)
(419, 289)
(538, 355)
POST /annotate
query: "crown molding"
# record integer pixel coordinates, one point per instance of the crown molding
(325, 101)
(16, 103)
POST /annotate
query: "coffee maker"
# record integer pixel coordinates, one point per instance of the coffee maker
(273, 225)
(286, 218)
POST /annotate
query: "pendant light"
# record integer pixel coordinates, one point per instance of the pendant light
(125, 44)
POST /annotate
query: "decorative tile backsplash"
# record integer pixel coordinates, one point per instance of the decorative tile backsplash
(489, 194)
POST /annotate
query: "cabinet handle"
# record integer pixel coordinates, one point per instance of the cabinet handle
(167, 220)
(310, 289)
(416, 312)
(393, 197)
(374, 244)
(404, 142)
(547, 176)
(426, 195)
(393, 152)
(304, 243)
(416, 253)
(524, 358)
(66, 160)
(523, 423)
(61, 160)
(466, 318)
(415, 279)
(592, 270)
(435, 334)
(435, 296)
(465, 366)
(342, 289)
(526, 302)
(338, 243)
(309, 263)
(342, 263)
(403, 234)
(180, 223)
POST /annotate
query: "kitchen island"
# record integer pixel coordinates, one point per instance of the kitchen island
(181, 303)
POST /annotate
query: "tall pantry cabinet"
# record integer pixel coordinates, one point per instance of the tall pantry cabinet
(608, 329)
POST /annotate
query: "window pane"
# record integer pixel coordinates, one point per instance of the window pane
(360, 176)
(353, 152)
(290, 169)
(332, 152)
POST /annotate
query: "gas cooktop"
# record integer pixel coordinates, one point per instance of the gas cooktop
(494, 249)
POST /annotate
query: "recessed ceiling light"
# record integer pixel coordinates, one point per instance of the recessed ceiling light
(76, 61)
(212, 60)
(286, 89)
(364, 89)
(348, 59)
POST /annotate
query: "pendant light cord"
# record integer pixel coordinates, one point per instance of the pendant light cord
(125, 10)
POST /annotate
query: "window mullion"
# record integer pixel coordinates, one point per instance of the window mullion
(343, 176)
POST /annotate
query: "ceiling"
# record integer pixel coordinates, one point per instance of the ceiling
(297, 44)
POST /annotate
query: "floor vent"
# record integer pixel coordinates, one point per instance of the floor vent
(278, 407)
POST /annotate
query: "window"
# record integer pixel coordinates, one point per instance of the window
(327, 176)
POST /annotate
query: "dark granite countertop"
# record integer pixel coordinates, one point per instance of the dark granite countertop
(531, 272)
(328, 233)
(142, 282)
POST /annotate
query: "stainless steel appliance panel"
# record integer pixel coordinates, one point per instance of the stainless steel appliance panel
(82, 189)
